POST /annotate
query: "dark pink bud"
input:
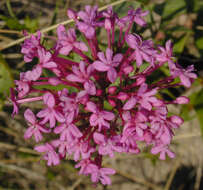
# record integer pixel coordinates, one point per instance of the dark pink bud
(54, 81)
(112, 89)
(112, 102)
(99, 92)
(182, 100)
(122, 96)
(128, 69)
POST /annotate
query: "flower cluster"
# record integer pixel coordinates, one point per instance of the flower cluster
(104, 102)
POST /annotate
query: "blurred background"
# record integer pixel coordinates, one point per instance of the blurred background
(178, 20)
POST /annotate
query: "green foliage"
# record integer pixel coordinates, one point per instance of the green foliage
(6, 79)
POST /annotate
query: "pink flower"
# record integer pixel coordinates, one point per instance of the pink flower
(34, 127)
(23, 85)
(107, 146)
(45, 59)
(98, 118)
(110, 18)
(108, 63)
(51, 113)
(101, 174)
(186, 75)
(144, 97)
(166, 54)
(30, 46)
(67, 41)
(136, 123)
(68, 131)
(163, 150)
(50, 155)
(83, 76)
(136, 16)
(89, 21)
(80, 148)
(143, 49)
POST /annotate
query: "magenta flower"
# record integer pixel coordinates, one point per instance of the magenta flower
(166, 53)
(83, 76)
(68, 131)
(100, 174)
(186, 75)
(67, 41)
(23, 85)
(45, 59)
(144, 97)
(35, 129)
(89, 21)
(143, 49)
(136, 123)
(98, 118)
(136, 16)
(50, 155)
(163, 150)
(108, 63)
(51, 113)
(88, 116)
(107, 146)
(30, 47)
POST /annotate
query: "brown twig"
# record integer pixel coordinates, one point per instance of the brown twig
(198, 177)
(135, 179)
(4, 31)
(20, 149)
(172, 174)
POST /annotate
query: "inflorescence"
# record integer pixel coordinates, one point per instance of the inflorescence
(107, 103)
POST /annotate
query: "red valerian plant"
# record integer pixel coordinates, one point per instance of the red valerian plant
(108, 104)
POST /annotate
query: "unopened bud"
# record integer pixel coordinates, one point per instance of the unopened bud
(54, 81)
(107, 24)
(128, 69)
(182, 100)
(176, 119)
(99, 92)
(112, 89)
(140, 80)
(112, 102)
(122, 96)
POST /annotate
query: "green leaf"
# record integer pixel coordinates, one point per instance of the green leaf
(31, 24)
(179, 46)
(13, 23)
(6, 79)
(173, 8)
(198, 105)
(199, 43)
(107, 106)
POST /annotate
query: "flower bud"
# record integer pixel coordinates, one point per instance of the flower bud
(122, 96)
(128, 69)
(107, 24)
(176, 119)
(182, 100)
(99, 92)
(54, 81)
(112, 102)
(140, 80)
(112, 89)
